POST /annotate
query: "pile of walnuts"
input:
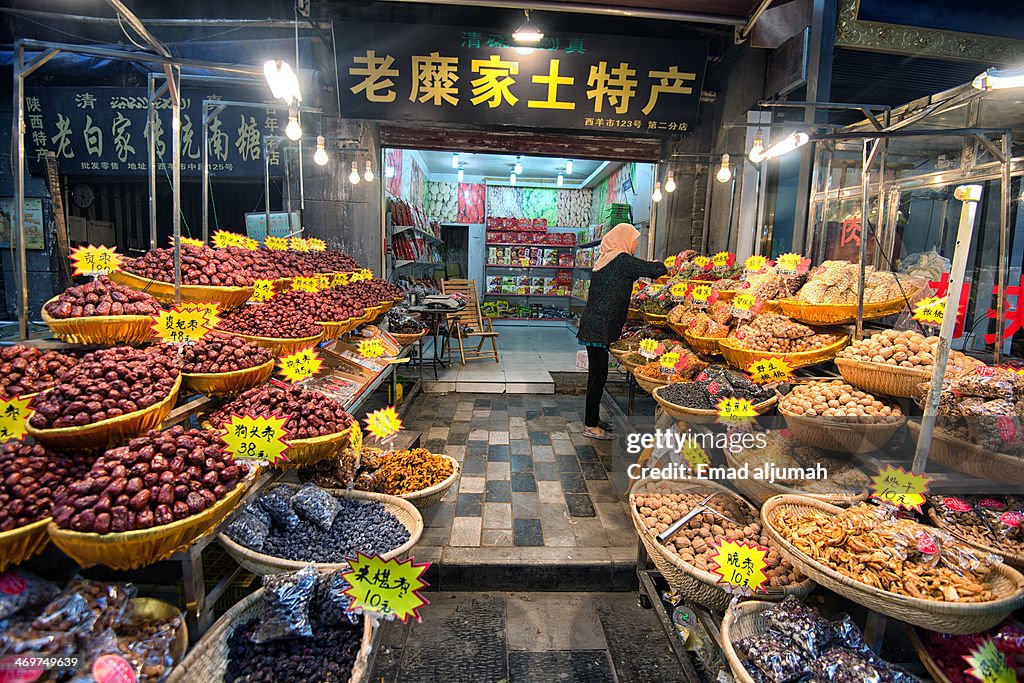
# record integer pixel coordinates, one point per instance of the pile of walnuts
(779, 334)
(836, 399)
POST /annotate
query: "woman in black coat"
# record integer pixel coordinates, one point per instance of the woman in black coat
(607, 305)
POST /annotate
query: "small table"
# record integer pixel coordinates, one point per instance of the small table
(434, 316)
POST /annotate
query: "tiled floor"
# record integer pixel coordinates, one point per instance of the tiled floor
(532, 486)
(528, 356)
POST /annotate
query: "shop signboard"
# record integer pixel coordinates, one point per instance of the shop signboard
(103, 131)
(600, 84)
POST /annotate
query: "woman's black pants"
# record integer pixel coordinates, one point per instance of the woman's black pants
(597, 376)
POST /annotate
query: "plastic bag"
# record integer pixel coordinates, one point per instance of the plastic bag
(809, 630)
(257, 511)
(843, 666)
(286, 599)
(22, 638)
(989, 382)
(278, 504)
(107, 659)
(775, 655)
(151, 641)
(20, 589)
(86, 606)
(316, 505)
(332, 603)
(248, 530)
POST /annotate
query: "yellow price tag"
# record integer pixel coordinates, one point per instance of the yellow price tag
(223, 239)
(95, 261)
(14, 413)
(323, 281)
(678, 290)
(371, 348)
(263, 290)
(695, 455)
(189, 241)
(989, 665)
(316, 244)
(789, 264)
(700, 296)
(740, 565)
(211, 309)
(899, 487)
(356, 440)
(339, 279)
(249, 243)
(723, 259)
(305, 284)
(768, 370)
(669, 361)
(386, 587)
(298, 244)
(276, 243)
(636, 288)
(670, 262)
(366, 274)
(930, 310)
(383, 423)
(755, 264)
(260, 438)
(181, 324)
(300, 365)
(745, 306)
(736, 410)
(701, 261)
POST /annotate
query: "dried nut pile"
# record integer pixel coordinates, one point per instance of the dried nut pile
(27, 370)
(835, 399)
(695, 543)
(789, 455)
(217, 353)
(686, 369)
(836, 282)
(873, 546)
(981, 404)
(309, 413)
(726, 284)
(992, 520)
(31, 478)
(768, 285)
(713, 384)
(105, 384)
(229, 267)
(779, 334)
(102, 296)
(286, 319)
(905, 348)
(396, 473)
(158, 478)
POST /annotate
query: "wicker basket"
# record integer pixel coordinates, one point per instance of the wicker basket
(408, 339)
(695, 584)
(151, 608)
(634, 314)
(433, 494)
(841, 435)
(332, 329)
(880, 378)
(655, 319)
(227, 384)
(945, 617)
(741, 358)
(100, 329)
(107, 433)
(226, 297)
(706, 345)
(744, 620)
(930, 665)
(627, 365)
(260, 564)
(372, 313)
(838, 314)
(964, 456)
(703, 415)
(207, 662)
(280, 346)
(302, 452)
(143, 547)
(759, 490)
(1016, 561)
(646, 383)
(18, 545)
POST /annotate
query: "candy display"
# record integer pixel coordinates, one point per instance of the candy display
(32, 478)
(778, 334)
(102, 296)
(713, 384)
(217, 352)
(27, 370)
(310, 413)
(836, 399)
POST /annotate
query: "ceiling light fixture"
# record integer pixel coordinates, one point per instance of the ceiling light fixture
(568, 167)
(561, 179)
(283, 82)
(724, 171)
(462, 174)
(757, 150)
(670, 182)
(786, 145)
(368, 174)
(293, 130)
(455, 159)
(518, 168)
(657, 192)
(320, 155)
(353, 177)
(527, 33)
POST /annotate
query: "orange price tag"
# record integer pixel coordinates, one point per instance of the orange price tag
(300, 365)
(899, 487)
(740, 565)
(383, 423)
(95, 261)
(259, 438)
(14, 413)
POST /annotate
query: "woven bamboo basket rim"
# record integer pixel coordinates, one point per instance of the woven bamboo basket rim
(742, 617)
(230, 374)
(646, 383)
(634, 314)
(833, 430)
(104, 426)
(969, 458)
(276, 340)
(337, 440)
(684, 412)
(673, 559)
(740, 358)
(406, 339)
(706, 345)
(229, 297)
(23, 542)
(882, 378)
(228, 383)
(627, 365)
(840, 313)
(63, 326)
(78, 544)
(207, 661)
(944, 616)
(261, 563)
(929, 663)
(1015, 560)
(439, 487)
(761, 490)
(655, 319)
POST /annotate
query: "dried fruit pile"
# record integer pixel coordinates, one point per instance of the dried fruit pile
(31, 478)
(217, 352)
(309, 413)
(102, 296)
(285, 319)
(231, 267)
(27, 370)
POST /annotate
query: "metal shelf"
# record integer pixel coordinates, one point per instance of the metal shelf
(399, 229)
(531, 244)
(502, 265)
(591, 243)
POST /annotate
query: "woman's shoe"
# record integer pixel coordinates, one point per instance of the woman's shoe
(606, 426)
(601, 436)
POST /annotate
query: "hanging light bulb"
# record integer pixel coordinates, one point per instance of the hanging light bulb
(670, 182)
(560, 179)
(657, 192)
(462, 174)
(282, 81)
(320, 155)
(568, 167)
(757, 150)
(353, 177)
(512, 178)
(724, 172)
(527, 33)
(368, 173)
(455, 159)
(518, 168)
(786, 145)
(293, 130)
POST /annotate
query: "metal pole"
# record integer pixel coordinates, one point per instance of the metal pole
(176, 174)
(288, 192)
(862, 253)
(153, 94)
(970, 195)
(206, 174)
(266, 185)
(18, 131)
(1004, 232)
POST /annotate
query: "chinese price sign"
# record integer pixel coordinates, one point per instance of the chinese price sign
(316, 244)
(695, 455)
(300, 365)
(678, 291)
(791, 264)
(941, 288)
(323, 281)
(899, 487)
(740, 565)
(755, 264)
(210, 308)
(383, 423)
(669, 361)
(745, 306)
(371, 348)
(223, 239)
(769, 370)
(262, 290)
(733, 410)
(305, 284)
(249, 437)
(386, 587)
(339, 279)
(930, 310)
(670, 262)
(989, 665)
(276, 243)
(723, 260)
(650, 348)
(189, 241)
(95, 261)
(702, 262)
(181, 324)
(14, 413)
(701, 296)
(298, 244)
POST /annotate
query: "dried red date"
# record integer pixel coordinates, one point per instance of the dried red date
(308, 413)
(27, 370)
(218, 352)
(33, 478)
(102, 296)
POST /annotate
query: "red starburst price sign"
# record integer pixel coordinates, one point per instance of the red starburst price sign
(740, 566)
(386, 587)
(899, 487)
(255, 437)
(989, 665)
(94, 261)
(300, 365)
(383, 423)
(14, 413)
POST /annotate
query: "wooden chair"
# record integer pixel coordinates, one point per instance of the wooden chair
(469, 322)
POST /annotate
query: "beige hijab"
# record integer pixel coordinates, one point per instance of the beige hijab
(622, 239)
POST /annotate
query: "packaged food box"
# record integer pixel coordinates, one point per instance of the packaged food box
(494, 284)
(565, 259)
(550, 286)
(501, 255)
(508, 285)
(522, 284)
(537, 285)
(492, 254)
(563, 277)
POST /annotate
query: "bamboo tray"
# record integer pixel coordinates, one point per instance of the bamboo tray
(759, 490)
(1015, 560)
(227, 297)
(407, 339)
(333, 329)
(964, 456)
(227, 384)
(709, 346)
(100, 329)
(696, 584)
(280, 346)
(741, 621)
(143, 547)
(740, 358)
(261, 564)
(107, 433)
(655, 319)
(842, 435)
(646, 383)
(882, 378)
(432, 494)
(22, 543)
(626, 365)
(702, 415)
(372, 313)
(945, 617)
(837, 314)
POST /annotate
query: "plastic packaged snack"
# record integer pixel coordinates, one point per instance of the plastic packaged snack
(989, 382)
(316, 505)
(151, 642)
(843, 666)
(85, 607)
(286, 601)
(248, 530)
(257, 511)
(775, 655)
(806, 628)
(278, 504)
(20, 589)
(331, 603)
(107, 659)
(22, 638)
